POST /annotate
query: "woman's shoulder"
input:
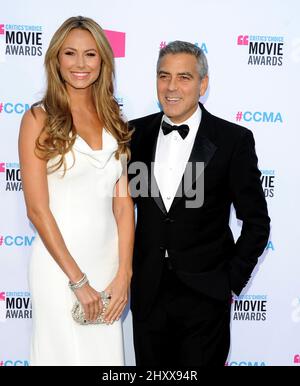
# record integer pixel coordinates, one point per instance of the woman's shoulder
(36, 115)
(33, 121)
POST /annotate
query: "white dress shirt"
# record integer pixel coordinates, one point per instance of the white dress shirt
(172, 155)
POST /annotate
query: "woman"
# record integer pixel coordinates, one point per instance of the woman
(70, 146)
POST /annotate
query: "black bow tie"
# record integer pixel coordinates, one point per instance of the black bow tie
(183, 130)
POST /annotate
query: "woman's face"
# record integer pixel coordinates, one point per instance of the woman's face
(79, 59)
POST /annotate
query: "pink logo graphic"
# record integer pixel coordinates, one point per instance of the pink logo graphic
(1, 29)
(297, 358)
(117, 42)
(2, 295)
(2, 167)
(243, 40)
(239, 116)
(162, 45)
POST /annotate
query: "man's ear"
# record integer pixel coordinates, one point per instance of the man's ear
(203, 85)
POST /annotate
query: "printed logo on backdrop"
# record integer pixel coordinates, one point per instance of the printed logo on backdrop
(262, 50)
(10, 178)
(249, 308)
(202, 45)
(117, 42)
(16, 240)
(245, 363)
(15, 305)
(295, 316)
(296, 360)
(270, 245)
(259, 117)
(20, 40)
(13, 107)
(14, 362)
(268, 182)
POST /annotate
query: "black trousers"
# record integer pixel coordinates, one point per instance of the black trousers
(184, 328)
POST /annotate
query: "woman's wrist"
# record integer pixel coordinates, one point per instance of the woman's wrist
(80, 283)
(125, 271)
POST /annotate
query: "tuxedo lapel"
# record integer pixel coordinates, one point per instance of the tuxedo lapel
(148, 149)
(153, 186)
(202, 152)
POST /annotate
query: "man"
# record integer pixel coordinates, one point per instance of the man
(186, 264)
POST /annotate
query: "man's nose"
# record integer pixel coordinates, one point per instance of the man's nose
(172, 85)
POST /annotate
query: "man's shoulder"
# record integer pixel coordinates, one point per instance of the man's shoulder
(145, 120)
(227, 128)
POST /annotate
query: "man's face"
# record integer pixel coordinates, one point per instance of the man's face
(179, 86)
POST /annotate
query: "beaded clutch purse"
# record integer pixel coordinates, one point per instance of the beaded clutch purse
(78, 312)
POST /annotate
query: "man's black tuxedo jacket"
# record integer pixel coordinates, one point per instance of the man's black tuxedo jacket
(199, 241)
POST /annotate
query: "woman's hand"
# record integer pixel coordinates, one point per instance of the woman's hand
(118, 290)
(90, 300)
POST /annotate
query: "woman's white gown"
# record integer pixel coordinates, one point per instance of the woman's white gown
(81, 202)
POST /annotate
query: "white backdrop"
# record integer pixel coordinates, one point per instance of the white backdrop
(253, 49)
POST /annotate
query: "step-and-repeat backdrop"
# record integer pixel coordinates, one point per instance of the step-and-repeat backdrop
(253, 50)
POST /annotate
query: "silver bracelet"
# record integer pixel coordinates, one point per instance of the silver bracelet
(79, 284)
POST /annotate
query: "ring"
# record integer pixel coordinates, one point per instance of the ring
(107, 295)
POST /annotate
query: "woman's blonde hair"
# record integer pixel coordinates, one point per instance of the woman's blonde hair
(58, 134)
